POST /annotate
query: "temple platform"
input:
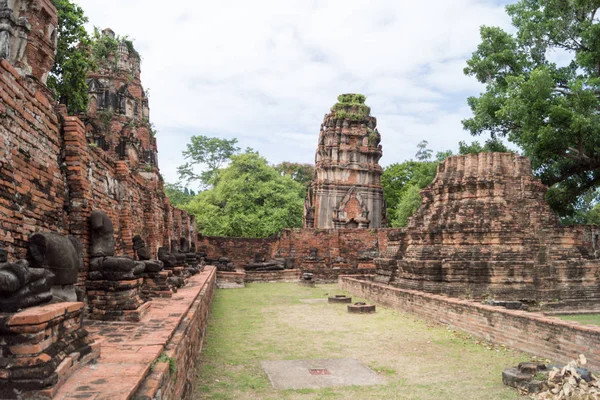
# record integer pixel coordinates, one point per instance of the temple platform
(141, 358)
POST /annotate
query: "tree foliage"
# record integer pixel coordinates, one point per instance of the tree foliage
(401, 185)
(423, 153)
(210, 153)
(491, 145)
(178, 195)
(301, 173)
(548, 109)
(73, 60)
(249, 198)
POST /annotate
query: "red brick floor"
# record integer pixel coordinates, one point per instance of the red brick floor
(129, 348)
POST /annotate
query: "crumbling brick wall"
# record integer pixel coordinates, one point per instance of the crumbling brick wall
(32, 184)
(240, 251)
(337, 251)
(52, 173)
(135, 204)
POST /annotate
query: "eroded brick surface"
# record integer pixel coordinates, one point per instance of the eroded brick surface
(484, 229)
(55, 169)
(41, 347)
(346, 191)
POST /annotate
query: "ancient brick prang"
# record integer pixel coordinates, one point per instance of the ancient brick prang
(484, 229)
(346, 191)
(53, 172)
(28, 32)
(118, 117)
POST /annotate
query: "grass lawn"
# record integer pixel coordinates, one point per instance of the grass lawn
(588, 319)
(419, 360)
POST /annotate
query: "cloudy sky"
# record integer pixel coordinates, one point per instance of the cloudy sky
(267, 71)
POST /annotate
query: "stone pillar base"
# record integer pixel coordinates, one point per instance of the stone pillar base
(157, 284)
(116, 300)
(41, 347)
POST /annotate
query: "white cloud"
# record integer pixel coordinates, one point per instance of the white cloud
(267, 71)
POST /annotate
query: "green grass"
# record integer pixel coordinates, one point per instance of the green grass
(419, 360)
(588, 319)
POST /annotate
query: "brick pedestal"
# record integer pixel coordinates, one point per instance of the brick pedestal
(116, 300)
(40, 348)
(157, 284)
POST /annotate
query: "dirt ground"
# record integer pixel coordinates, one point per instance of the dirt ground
(268, 322)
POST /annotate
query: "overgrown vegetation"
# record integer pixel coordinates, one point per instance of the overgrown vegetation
(164, 358)
(77, 54)
(105, 48)
(352, 107)
(69, 73)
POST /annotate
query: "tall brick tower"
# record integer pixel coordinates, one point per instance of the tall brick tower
(118, 117)
(346, 190)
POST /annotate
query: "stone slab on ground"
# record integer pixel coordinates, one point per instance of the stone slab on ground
(313, 301)
(315, 374)
(129, 348)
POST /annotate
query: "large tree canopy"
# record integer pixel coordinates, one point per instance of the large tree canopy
(549, 109)
(210, 153)
(249, 198)
(302, 173)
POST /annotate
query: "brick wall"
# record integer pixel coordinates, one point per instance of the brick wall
(134, 200)
(340, 251)
(534, 333)
(241, 251)
(51, 178)
(32, 185)
(184, 347)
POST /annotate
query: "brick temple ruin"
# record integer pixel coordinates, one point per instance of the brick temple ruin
(346, 191)
(484, 230)
(96, 266)
(86, 231)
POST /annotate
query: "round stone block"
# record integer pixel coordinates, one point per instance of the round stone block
(340, 298)
(361, 308)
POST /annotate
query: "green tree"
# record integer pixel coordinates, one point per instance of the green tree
(396, 178)
(409, 203)
(548, 110)
(302, 173)
(249, 198)
(178, 195)
(593, 216)
(401, 185)
(423, 153)
(211, 153)
(491, 145)
(586, 210)
(73, 60)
